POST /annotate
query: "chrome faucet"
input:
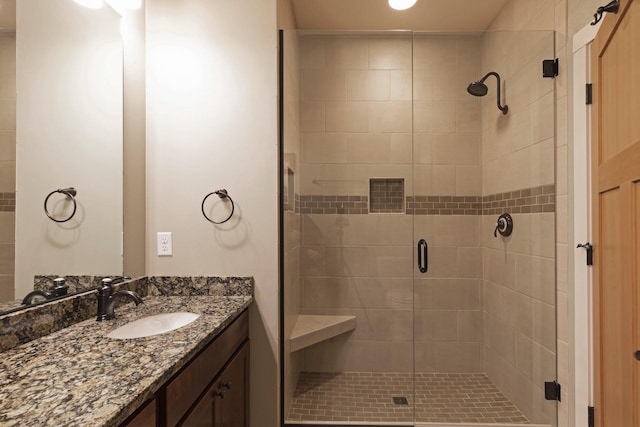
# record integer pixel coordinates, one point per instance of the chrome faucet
(107, 298)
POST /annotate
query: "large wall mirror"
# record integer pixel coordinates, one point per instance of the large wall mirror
(68, 132)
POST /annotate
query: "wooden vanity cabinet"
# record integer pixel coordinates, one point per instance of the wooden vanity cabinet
(225, 401)
(211, 390)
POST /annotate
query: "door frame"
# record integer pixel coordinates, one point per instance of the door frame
(582, 351)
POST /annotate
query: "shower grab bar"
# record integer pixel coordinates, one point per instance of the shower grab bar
(423, 256)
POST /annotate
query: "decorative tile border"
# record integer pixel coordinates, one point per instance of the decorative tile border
(8, 202)
(444, 205)
(350, 205)
(530, 200)
(541, 199)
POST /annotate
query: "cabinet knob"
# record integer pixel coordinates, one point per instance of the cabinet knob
(227, 385)
(220, 394)
(637, 354)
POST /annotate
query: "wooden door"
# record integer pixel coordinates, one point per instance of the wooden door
(616, 217)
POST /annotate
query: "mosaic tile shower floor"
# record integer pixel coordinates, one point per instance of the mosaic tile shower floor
(368, 397)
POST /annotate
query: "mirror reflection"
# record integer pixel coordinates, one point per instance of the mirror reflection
(61, 127)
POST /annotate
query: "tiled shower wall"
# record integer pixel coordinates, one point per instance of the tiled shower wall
(292, 222)
(7, 163)
(519, 271)
(357, 120)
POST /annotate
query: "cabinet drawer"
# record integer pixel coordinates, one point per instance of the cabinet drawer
(186, 387)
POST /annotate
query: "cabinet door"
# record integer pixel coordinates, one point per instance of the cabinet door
(226, 401)
(231, 408)
(146, 417)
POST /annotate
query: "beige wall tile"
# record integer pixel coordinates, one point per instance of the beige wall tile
(368, 147)
(377, 292)
(324, 85)
(459, 357)
(424, 84)
(346, 54)
(390, 117)
(457, 294)
(535, 276)
(7, 227)
(376, 230)
(542, 118)
(368, 85)
(434, 117)
(312, 260)
(390, 54)
(457, 149)
(7, 176)
(500, 267)
(470, 262)
(8, 117)
(7, 144)
(455, 230)
(401, 85)
(468, 117)
(390, 261)
(501, 338)
(311, 53)
(443, 261)
(324, 148)
(6, 288)
(401, 148)
(347, 117)
(468, 180)
(444, 180)
(544, 325)
(470, 325)
(451, 82)
(436, 325)
(312, 117)
(425, 356)
(423, 144)
(347, 261)
(433, 51)
(518, 309)
(7, 258)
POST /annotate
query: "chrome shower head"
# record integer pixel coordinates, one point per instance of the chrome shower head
(478, 88)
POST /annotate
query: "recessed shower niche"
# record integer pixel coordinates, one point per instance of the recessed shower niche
(386, 195)
(386, 123)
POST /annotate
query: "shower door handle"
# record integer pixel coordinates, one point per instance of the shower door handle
(423, 256)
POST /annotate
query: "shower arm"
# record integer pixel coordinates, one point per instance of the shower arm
(504, 109)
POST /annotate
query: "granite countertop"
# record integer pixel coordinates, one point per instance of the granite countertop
(79, 377)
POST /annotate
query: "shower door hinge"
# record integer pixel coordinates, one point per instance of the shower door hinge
(550, 68)
(552, 391)
(589, 94)
(591, 416)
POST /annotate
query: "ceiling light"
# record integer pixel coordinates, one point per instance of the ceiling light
(401, 4)
(92, 4)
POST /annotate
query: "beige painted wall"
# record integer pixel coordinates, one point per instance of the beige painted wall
(212, 123)
(69, 133)
(134, 150)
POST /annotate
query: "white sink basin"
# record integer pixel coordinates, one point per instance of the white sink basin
(153, 325)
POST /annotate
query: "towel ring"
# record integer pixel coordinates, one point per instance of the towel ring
(70, 193)
(223, 194)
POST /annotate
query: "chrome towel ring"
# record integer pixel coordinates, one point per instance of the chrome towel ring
(223, 194)
(70, 193)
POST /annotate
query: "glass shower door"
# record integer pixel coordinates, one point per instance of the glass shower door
(349, 255)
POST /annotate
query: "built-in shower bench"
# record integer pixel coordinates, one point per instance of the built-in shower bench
(311, 329)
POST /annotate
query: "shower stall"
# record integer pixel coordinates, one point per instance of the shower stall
(404, 300)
